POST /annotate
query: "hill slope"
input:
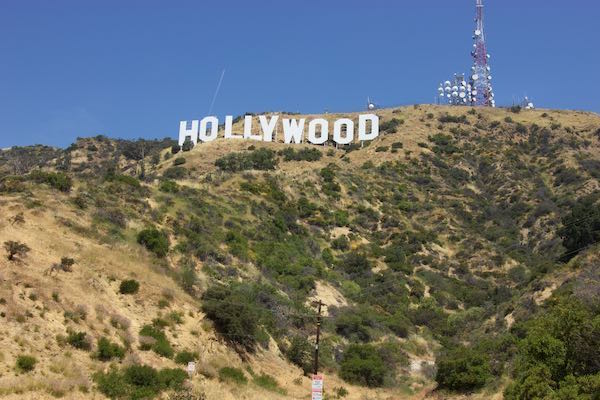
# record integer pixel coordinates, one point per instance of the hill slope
(450, 232)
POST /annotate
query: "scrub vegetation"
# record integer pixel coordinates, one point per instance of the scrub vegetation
(457, 253)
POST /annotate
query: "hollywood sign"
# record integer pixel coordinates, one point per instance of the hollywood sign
(207, 129)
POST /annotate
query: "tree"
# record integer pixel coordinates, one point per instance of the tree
(15, 249)
(462, 369)
(155, 241)
(581, 227)
(363, 365)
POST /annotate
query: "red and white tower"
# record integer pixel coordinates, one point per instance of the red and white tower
(481, 78)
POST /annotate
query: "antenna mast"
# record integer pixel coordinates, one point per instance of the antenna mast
(481, 86)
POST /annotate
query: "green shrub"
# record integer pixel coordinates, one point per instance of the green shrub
(179, 161)
(138, 382)
(235, 375)
(176, 148)
(306, 154)
(581, 227)
(129, 286)
(300, 353)
(341, 243)
(112, 384)
(462, 369)
(171, 378)
(391, 126)
(161, 345)
(381, 149)
(260, 159)
(154, 240)
(169, 186)
(177, 172)
(268, 382)
(362, 365)
(79, 340)
(108, 350)
(187, 145)
(26, 363)
(185, 357)
(56, 180)
(234, 314)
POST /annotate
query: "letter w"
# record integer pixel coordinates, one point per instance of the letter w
(293, 131)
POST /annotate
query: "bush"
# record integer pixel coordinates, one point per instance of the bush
(139, 382)
(26, 363)
(179, 161)
(381, 149)
(175, 173)
(300, 353)
(108, 350)
(235, 375)
(168, 186)
(58, 180)
(234, 314)
(390, 126)
(581, 227)
(446, 118)
(159, 344)
(176, 148)
(79, 340)
(129, 286)
(362, 365)
(187, 145)
(154, 240)
(15, 249)
(260, 159)
(185, 357)
(462, 369)
(311, 154)
(268, 382)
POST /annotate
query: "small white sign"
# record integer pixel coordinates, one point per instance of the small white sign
(317, 387)
(191, 368)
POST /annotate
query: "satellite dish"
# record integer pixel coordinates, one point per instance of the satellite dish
(475, 77)
(448, 95)
(489, 77)
(371, 105)
(454, 94)
(447, 83)
(474, 92)
(462, 95)
(455, 88)
(477, 32)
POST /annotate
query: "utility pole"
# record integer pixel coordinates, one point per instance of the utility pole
(316, 367)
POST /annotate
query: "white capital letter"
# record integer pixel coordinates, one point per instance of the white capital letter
(214, 129)
(362, 126)
(268, 127)
(337, 131)
(248, 129)
(228, 128)
(293, 130)
(184, 131)
(312, 134)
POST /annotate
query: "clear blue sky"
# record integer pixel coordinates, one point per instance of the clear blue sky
(136, 68)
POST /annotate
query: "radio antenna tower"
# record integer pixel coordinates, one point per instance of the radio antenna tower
(481, 86)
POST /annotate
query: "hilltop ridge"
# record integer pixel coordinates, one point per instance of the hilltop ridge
(449, 232)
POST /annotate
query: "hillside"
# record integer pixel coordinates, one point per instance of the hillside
(447, 244)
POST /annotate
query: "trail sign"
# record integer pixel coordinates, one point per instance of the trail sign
(317, 387)
(191, 368)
